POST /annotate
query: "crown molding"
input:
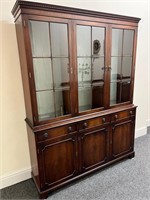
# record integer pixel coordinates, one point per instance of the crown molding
(69, 10)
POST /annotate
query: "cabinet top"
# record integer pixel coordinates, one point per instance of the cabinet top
(21, 5)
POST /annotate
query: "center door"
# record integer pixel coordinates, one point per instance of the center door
(90, 58)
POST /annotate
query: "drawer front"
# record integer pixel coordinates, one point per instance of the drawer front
(56, 132)
(123, 115)
(91, 123)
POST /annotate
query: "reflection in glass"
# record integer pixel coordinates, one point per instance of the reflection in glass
(115, 68)
(113, 93)
(83, 40)
(40, 43)
(42, 73)
(97, 95)
(128, 42)
(121, 63)
(126, 66)
(59, 39)
(49, 43)
(125, 91)
(84, 71)
(62, 98)
(45, 102)
(90, 60)
(117, 35)
(98, 34)
(85, 98)
(98, 69)
(61, 72)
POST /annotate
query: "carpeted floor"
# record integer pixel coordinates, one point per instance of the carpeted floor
(127, 180)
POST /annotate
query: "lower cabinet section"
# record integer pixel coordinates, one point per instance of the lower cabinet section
(70, 151)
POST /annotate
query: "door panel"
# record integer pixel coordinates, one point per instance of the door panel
(58, 160)
(121, 64)
(122, 138)
(90, 65)
(51, 68)
(94, 148)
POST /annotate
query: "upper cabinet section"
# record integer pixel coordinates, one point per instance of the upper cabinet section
(74, 61)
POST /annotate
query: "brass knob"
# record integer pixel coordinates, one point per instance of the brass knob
(103, 120)
(116, 116)
(85, 124)
(69, 128)
(46, 135)
(131, 112)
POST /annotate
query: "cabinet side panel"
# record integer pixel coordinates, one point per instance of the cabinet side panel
(24, 70)
(33, 156)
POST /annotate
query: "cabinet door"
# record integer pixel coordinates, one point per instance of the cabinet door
(57, 160)
(94, 148)
(50, 60)
(122, 138)
(122, 64)
(90, 61)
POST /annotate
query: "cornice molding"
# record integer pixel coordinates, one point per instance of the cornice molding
(69, 10)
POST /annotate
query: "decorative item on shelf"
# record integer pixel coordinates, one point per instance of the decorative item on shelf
(96, 46)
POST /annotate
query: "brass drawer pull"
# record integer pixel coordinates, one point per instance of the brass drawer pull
(69, 129)
(116, 116)
(85, 125)
(131, 112)
(103, 120)
(46, 135)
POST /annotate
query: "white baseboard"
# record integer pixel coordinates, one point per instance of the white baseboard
(140, 132)
(148, 122)
(15, 177)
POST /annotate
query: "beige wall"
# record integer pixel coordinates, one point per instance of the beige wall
(14, 145)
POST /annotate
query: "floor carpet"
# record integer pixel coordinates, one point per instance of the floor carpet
(126, 180)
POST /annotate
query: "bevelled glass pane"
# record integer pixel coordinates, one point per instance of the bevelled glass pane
(115, 68)
(85, 98)
(61, 72)
(59, 39)
(128, 42)
(126, 66)
(43, 73)
(84, 71)
(39, 34)
(62, 99)
(98, 34)
(117, 35)
(98, 69)
(45, 103)
(113, 93)
(83, 40)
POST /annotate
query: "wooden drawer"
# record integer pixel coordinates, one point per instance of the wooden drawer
(91, 123)
(123, 115)
(56, 132)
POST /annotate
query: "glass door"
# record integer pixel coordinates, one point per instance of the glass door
(90, 66)
(121, 65)
(49, 45)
